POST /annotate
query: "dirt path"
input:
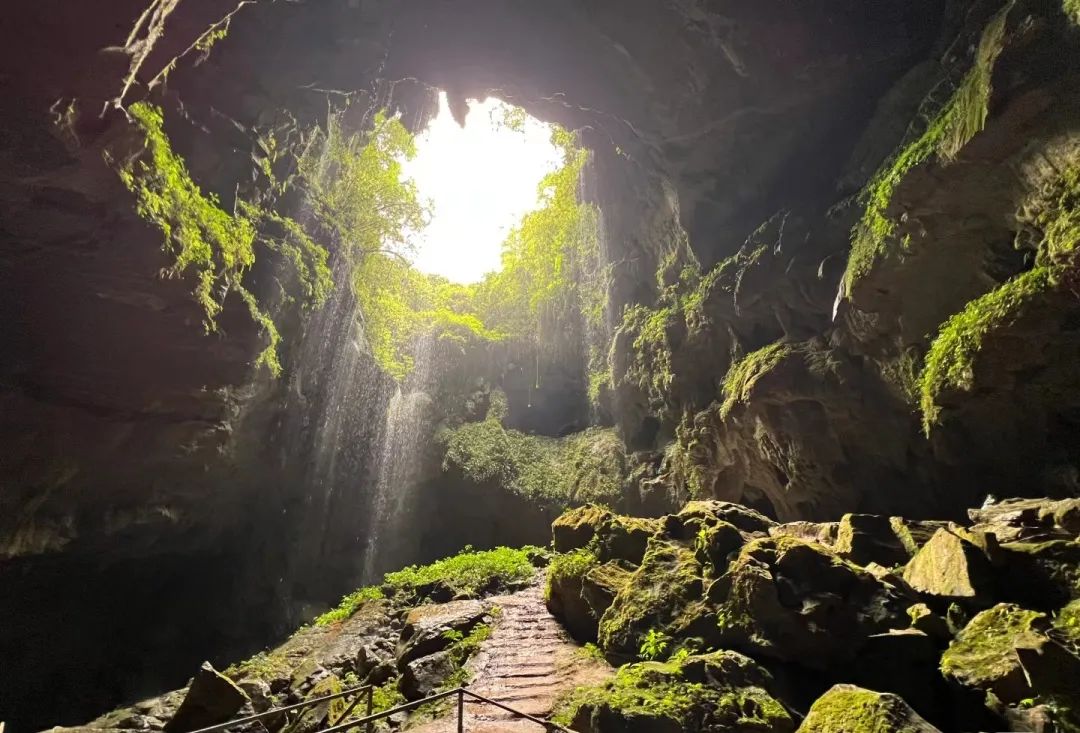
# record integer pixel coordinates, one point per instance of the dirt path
(528, 663)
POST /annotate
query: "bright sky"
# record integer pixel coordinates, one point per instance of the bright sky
(480, 180)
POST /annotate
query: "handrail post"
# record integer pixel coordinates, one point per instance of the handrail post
(460, 711)
(370, 708)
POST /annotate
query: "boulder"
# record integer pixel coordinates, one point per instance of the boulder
(715, 543)
(951, 566)
(1006, 650)
(665, 592)
(1015, 520)
(564, 598)
(849, 709)
(712, 511)
(625, 538)
(426, 627)
(800, 602)
(821, 532)
(311, 718)
(723, 691)
(211, 698)
(421, 677)
(576, 527)
(867, 538)
(601, 584)
(928, 622)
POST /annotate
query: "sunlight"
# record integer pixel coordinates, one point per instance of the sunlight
(480, 180)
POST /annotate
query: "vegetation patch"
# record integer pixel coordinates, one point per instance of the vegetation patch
(667, 696)
(469, 574)
(960, 119)
(589, 466)
(745, 373)
(950, 363)
(569, 566)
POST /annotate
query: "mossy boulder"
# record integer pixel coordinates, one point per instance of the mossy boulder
(824, 533)
(1006, 650)
(851, 709)
(427, 628)
(625, 538)
(722, 691)
(601, 584)
(1014, 520)
(867, 538)
(665, 592)
(715, 543)
(800, 602)
(952, 566)
(565, 582)
(712, 511)
(577, 527)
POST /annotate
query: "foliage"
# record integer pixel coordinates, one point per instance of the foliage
(592, 653)
(745, 373)
(469, 574)
(585, 466)
(349, 605)
(463, 647)
(654, 645)
(960, 119)
(386, 696)
(950, 363)
(1058, 217)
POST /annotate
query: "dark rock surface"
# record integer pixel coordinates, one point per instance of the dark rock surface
(150, 457)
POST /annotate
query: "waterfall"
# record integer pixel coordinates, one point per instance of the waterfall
(400, 459)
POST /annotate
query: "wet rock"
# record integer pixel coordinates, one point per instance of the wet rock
(847, 708)
(625, 538)
(799, 602)
(715, 543)
(426, 627)
(601, 584)
(821, 532)
(576, 527)
(867, 538)
(665, 592)
(211, 698)
(950, 566)
(564, 598)
(712, 511)
(721, 691)
(421, 677)
(1014, 520)
(928, 622)
(1006, 650)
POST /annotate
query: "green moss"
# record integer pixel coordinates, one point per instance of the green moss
(950, 363)
(263, 666)
(663, 696)
(1072, 10)
(1067, 622)
(463, 647)
(960, 119)
(850, 709)
(662, 593)
(1057, 216)
(982, 652)
(469, 574)
(745, 373)
(589, 466)
(569, 566)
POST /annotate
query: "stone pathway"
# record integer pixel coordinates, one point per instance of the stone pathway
(528, 663)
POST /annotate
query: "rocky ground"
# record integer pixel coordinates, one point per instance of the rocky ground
(715, 618)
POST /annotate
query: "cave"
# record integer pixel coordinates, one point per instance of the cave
(832, 245)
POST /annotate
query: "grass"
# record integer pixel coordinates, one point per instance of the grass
(469, 574)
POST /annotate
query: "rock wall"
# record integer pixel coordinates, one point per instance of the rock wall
(729, 146)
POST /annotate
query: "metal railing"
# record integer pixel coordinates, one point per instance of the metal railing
(369, 720)
(358, 691)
